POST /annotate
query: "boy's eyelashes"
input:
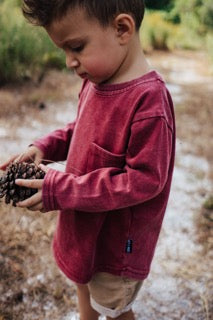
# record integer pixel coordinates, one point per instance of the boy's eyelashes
(74, 48)
(78, 48)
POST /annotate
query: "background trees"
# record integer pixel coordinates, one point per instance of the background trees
(159, 5)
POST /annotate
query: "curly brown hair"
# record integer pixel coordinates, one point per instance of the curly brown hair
(44, 12)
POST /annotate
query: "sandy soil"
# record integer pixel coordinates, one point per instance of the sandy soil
(180, 283)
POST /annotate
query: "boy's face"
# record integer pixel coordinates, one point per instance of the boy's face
(93, 51)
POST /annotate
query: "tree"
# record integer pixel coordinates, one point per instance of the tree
(198, 14)
(206, 13)
(159, 5)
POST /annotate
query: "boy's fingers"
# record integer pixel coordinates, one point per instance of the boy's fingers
(33, 183)
(24, 157)
(37, 207)
(43, 167)
(37, 160)
(31, 202)
(4, 165)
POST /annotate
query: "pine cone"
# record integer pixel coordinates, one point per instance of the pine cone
(22, 170)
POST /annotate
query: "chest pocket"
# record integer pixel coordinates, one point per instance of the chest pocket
(99, 157)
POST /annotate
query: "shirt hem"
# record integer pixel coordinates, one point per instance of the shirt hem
(124, 271)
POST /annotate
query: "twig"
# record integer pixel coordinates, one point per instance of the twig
(205, 305)
(48, 161)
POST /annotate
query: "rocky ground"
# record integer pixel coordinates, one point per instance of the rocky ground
(180, 284)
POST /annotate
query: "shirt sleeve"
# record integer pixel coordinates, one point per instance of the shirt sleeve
(142, 178)
(55, 145)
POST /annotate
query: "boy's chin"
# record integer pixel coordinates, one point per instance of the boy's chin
(96, 81)
(93, 79)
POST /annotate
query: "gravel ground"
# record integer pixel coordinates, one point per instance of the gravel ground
(180, 283)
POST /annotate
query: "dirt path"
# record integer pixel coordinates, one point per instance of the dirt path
(180, 283)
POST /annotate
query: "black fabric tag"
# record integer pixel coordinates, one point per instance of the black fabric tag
(128, 246)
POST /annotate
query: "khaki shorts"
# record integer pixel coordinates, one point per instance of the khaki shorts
(112, 295)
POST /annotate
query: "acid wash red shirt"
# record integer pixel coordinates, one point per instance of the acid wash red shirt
(113, 195)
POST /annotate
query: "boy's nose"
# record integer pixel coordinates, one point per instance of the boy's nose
(71, 61)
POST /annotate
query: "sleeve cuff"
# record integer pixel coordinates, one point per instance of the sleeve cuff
(48, 191)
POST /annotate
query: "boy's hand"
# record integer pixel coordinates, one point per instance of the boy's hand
(33, 203)
(32, 154)
(7, 163)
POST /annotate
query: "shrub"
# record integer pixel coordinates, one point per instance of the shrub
(22, 46)
(157, 33)
(209, 45)
(159, 5)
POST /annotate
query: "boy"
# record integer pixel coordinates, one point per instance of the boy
(119, 152)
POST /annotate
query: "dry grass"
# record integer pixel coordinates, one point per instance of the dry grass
(30, 281)
(31, 285)
(54, 86)
(194, 121)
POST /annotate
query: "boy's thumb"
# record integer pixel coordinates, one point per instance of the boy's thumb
(43, 167)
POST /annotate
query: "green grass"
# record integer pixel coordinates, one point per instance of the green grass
(156, 33)
(24, 49)
(209, 45)
(159, 33)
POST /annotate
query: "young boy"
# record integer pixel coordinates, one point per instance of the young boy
(119, 152)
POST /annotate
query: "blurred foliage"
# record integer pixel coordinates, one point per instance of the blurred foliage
(197, 14)
(208, 204)
(24, 49)
(178, 24)
(200, 12)
(209, 45)
(157, 33)
(159, 5)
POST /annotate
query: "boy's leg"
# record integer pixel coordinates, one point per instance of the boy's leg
(85, 309)
(125, 316)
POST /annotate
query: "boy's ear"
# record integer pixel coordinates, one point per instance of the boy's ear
(125, 27)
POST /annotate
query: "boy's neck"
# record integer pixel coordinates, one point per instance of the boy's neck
(133, 66)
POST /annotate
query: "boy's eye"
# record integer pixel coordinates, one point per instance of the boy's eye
(78, 48)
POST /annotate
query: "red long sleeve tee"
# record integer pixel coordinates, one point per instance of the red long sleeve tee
(113, 195)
